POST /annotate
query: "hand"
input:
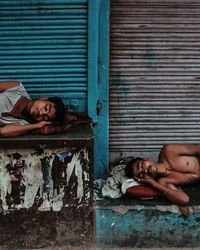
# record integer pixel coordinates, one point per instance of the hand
(146, 179)
(42, 124)
(71, 117)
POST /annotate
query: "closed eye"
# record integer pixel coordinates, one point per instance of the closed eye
(47, 107)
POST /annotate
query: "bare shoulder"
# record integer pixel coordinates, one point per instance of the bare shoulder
(169, 149)
(164, 151)
(168, 153)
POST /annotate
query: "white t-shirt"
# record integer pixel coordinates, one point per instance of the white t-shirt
(8, 99)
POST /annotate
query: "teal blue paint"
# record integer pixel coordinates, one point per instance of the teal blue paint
(57, 70)
(75, 43)
(33, 2)
(101, 131)
(44, 32)
(31, 22)
(44, 45)
(98, 84)
(148, 227)
(57, 9)
(47, 51)
(93, 32)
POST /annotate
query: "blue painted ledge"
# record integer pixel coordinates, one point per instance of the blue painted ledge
(156, 223)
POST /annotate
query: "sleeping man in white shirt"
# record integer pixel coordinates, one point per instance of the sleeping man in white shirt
(20, 115)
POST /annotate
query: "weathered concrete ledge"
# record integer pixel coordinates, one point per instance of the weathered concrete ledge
(139, 223)
(74, 136)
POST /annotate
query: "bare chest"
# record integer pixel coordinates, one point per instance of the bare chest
(187, 166)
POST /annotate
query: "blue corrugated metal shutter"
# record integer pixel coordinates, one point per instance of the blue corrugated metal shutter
(43, 43)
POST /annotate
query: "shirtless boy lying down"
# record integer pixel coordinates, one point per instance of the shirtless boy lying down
(178, 165)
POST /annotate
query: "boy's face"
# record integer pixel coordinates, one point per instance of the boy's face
(144, 167)
(43, 110)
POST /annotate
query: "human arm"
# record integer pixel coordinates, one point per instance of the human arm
(51, 129)
(72, 119)
(168, 190)
(17, 129)
(172, 150)
(76, 118)
(8, 85)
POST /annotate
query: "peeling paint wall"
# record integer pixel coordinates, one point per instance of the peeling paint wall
(45, 190)
(48, 179)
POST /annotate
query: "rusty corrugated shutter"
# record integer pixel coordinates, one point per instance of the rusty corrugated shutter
(154, 74)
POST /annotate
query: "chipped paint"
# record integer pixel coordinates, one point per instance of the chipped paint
(29, 178)
(32, 181)
(5, 181)
(153, 226)
(75, 165)
(120, 209)
(175, 209)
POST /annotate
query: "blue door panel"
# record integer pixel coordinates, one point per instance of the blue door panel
(44, 45)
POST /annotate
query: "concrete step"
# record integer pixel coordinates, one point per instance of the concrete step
(134, 223)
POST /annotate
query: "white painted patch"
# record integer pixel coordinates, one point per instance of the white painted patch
(70, 166)
(46, 204)
(86, 156)
(79, 174)
(57, 201)
(86, 176)
(5, 182)
(76, 165)
(33, 180)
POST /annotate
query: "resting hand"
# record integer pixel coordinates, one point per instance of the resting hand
(42, 124)
(146, 179)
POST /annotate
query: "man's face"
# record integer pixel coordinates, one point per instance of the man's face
(43, 110)
(144, 167)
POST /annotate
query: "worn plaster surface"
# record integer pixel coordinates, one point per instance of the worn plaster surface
(48, 179)
(45, 198)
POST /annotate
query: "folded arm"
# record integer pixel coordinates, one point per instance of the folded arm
(8, 85)
(17, 129)
(42, 127)
(51, 129)
(72, 119)
(171, 150)
(168, 190)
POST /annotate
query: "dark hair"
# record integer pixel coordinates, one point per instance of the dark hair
(129, 167)
(60, 109)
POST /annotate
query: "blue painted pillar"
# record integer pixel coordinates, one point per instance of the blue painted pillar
(98, 82)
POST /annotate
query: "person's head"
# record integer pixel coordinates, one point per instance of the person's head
(48, 109)
(138, 167)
